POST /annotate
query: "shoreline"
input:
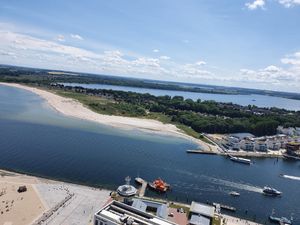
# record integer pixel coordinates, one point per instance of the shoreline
(48, 200)
(72, 108)
(56, 190)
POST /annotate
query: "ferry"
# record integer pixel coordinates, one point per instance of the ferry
(240, 160)
(271, 191)
(159, 185)
(234, 193)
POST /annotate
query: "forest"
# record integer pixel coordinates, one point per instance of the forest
(193, 116)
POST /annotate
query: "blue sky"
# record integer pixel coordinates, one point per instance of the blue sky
(246, 43)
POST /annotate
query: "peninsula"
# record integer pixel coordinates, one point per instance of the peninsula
(73, 108)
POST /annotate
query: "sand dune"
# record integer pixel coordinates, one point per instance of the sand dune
(73, 108)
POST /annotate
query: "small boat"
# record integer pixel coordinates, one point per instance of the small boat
(280, 220)
(291, 157)
(240, 160)
(271, 191)
(159, 185)
(234, 193)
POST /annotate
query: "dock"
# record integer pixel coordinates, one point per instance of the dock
(143, 187)
(201, 152)
(237, 154)
(222, 206)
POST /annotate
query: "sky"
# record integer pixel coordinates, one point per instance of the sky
(241, 43)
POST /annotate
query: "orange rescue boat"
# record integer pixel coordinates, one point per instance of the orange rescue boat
(159, 185)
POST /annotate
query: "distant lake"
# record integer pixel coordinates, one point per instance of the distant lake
(38, 140)
(258, 100)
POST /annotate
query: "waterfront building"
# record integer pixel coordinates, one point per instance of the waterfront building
(242, 136)
(201, 214)
(292, 148)
(233, 142)
(261, 146)
(127, 190)
(290, 131)
(157, 208)
(117, 213)
(297, 130)
(273, 144)
(247, 145)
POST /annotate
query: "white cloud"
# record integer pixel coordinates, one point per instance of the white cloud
(289, 3)
(155, 50)
(270, 75)
(255, 4)
(261, 4)
(26, 50)
(192, 70)
(60, 38)
(76, 36)
(164, 57)
(200, 63)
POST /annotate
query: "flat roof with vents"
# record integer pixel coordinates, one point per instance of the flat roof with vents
(120, 213)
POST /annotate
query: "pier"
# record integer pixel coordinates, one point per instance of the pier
(201, 152)
(224, 207)
(237, 153)
(142, 189)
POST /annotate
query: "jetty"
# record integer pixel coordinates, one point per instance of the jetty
(143, 183)
(222, 206)
(201, 152)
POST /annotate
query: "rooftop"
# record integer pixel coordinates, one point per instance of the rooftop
(199, 220)
(242, 135)
(202, 209)
(120, 213)
(160, 209)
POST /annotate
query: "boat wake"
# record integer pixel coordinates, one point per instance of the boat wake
(291, 177)
(240, 186)
(226, 183)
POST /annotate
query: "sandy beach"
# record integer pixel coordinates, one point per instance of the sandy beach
(47, 201)
(73, 108)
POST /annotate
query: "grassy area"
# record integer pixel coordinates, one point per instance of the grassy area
(216, 221)
(178, 206)
(189, 131)
(158, 116)
(205, 139)
(106, 106)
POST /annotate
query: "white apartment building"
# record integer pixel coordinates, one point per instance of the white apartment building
(261, 146)
(290, 131)
(117, 213)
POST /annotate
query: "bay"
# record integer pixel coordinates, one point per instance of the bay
(244, 100)
(36, 139)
